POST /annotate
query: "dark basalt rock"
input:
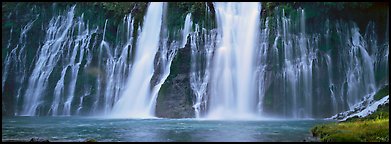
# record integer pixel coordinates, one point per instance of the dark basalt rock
(175, 96)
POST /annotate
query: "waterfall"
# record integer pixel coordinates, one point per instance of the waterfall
(294, 88)
(82, 42)
(186, 29)
(167, 55)
(283, 66)
(262, 63)
(73, 55)
(360, 72)
(202, 45)
(117, 66)
(48, 57)
(16, 60)
(232, 80)
(331, 84)
(290, 75)
(136, 97)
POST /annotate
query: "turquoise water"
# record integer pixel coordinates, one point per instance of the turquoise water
(100, 129)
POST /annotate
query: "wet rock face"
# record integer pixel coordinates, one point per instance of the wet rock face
(174, 102)
(175, 96)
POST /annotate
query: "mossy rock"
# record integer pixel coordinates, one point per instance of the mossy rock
(382, 93)
(90, 140)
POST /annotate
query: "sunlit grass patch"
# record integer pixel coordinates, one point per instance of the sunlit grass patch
(372, 130)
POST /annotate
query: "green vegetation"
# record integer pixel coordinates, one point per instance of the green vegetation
(90, 140)
(176, 15)
(373, 128)
(118, 9)
(382, 92)
(381, 113)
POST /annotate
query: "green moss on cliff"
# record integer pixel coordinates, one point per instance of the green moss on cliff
(382, 93)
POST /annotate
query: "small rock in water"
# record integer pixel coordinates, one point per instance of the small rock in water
(90, 140)
(38, 140)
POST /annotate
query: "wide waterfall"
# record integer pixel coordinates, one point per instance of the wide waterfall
(232, 80)
(294, 77)
(195, 71)
(211, 60)
(48, 58)
(71, 49)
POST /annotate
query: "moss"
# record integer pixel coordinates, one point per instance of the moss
(382, 93)
(200, 10)
(357, 131)
(118, 8)
(90, 140)
(162, 92)
(176, 14)
(373, 128)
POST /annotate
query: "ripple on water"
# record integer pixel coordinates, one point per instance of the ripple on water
(74, 129)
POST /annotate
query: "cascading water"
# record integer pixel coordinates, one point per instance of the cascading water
(289, 74)
(82, 43)
(262, 63)
(48, 57)
(78, 56)
(331, 84)
(117, 66)
(292, 72)
(280, 66)
(186, 29)
(201, 55)
(17, 60)
(360, 75)
(167, 53)
(232, 80)
(298, 68)
(134, 102)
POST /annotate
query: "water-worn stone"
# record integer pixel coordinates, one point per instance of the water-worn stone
(175, 96)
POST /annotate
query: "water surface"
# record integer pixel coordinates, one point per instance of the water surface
(101, 129)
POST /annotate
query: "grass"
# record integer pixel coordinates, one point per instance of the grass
(373, 128)
(357, 131)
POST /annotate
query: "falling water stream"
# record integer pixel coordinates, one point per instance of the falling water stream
(238, 70)
(232, 80)
(138, 85)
